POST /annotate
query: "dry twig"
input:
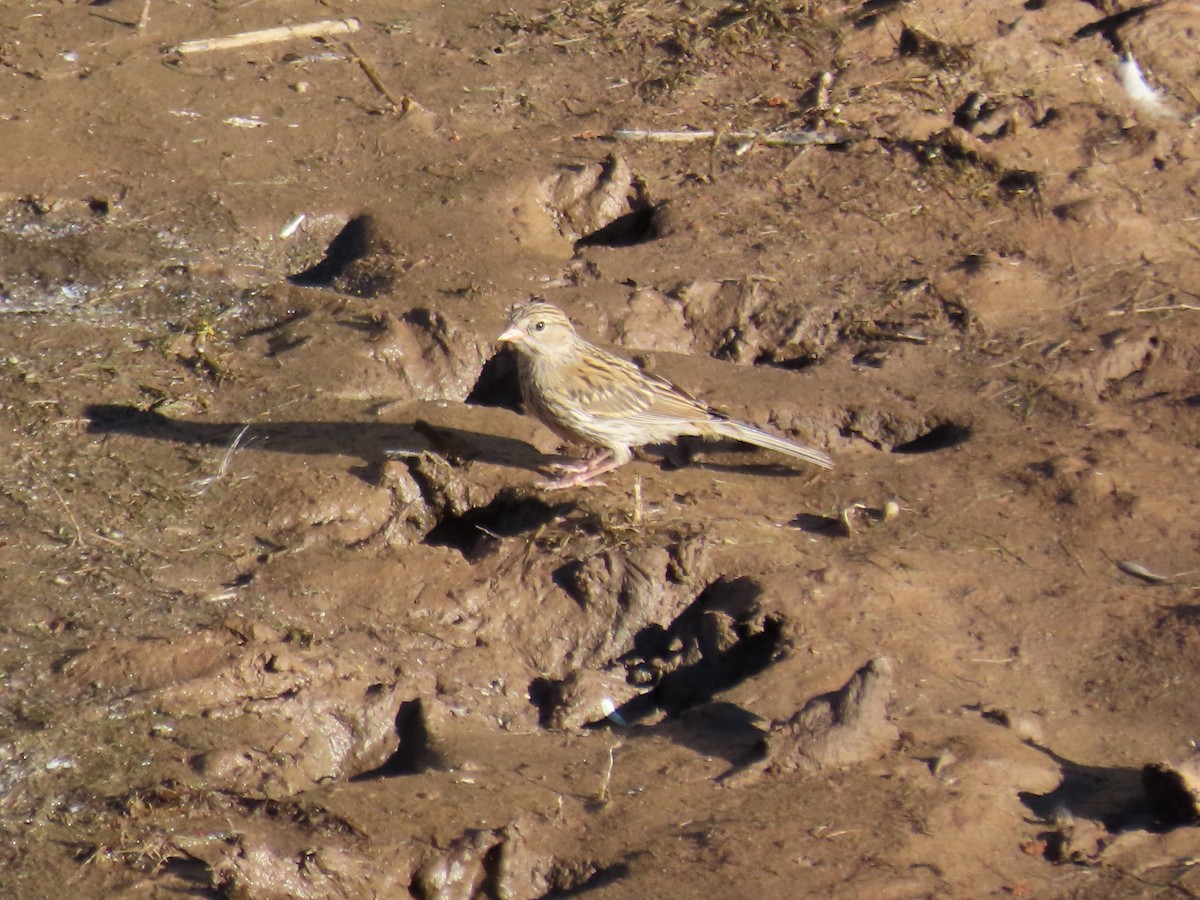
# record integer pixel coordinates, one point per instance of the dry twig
(271, 35)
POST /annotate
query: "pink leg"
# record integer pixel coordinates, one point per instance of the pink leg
(579, 476)
(575, 466)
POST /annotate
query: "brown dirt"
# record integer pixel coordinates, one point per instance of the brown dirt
(282, 612)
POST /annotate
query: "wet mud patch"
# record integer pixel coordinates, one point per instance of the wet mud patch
(283, 616)
(84, 258)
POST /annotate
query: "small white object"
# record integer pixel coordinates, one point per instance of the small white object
(245, 122)
(610, 711)
(290, 228)
(60, 762)
(1138, 89)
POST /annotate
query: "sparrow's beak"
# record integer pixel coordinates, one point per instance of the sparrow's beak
(511, 335)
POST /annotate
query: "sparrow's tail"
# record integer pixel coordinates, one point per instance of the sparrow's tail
(740, 431)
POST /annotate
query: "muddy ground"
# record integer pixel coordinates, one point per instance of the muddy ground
(283, 613)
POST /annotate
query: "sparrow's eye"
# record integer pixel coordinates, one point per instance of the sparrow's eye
(539, 326)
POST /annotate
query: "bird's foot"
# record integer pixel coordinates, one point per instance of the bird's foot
(567, 466)
(581, 473)
(579, 479)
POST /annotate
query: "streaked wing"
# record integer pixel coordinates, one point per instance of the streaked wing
(614, 388)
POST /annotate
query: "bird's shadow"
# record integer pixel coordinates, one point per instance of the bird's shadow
(375, 441)
(691, 452)
(371, 441)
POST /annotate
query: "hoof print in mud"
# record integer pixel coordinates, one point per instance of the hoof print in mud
(585, 697)
(435, 503)
(504, 862)
(592, 205)
(723, 637)
(683, 653)
(358, 261)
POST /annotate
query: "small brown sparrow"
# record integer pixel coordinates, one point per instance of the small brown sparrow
(588, 396)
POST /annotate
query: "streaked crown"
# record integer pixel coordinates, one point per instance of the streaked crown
(539, 327)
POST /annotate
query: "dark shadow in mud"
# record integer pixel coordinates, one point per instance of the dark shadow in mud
(372, 441)
(1109, 26)
(718, 729)
(854, 519)
(1111, 795)
(350, 244)
(637, 227)
(497, 384)
(1187, 614)
(692, 452)
(195, 871)
(871, 11)
(480, 530)
(415, 752)
(940, 437)
(825, 526)
(788, 363)
(722, 635)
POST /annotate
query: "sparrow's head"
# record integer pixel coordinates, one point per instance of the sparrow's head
(539, 329)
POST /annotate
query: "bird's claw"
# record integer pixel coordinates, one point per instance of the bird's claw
(559, 484)
(570, 466)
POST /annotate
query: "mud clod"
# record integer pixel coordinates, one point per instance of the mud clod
(833, 730)
(427, 492)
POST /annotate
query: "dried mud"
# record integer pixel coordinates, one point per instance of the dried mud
(283, 613)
